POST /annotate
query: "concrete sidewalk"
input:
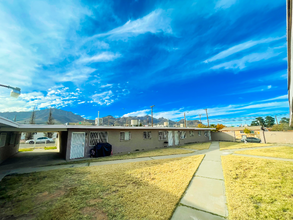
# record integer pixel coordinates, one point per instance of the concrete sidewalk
(205, 197)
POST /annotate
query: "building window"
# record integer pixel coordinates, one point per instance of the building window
(182, 134)
(147, 135)
(199, 133)
(191, 133)
(98, 137)
(125, 136)
(206, 133)
(163, 135)
(3, 139)
(241, 132)
(12, 139)
(252, 132)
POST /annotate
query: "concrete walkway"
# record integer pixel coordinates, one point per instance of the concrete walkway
(205, 197)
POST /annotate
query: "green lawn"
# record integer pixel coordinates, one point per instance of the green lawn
(237, 145)
(282, 152)
(258, 188)
(197, 146)
(133, 155)
(141, 190)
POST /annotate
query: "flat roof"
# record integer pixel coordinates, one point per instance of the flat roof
(46, 128)
(4, 122)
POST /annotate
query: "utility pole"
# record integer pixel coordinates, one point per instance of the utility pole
(184, 120)
(152, 115)
(276, 119)
(147, 120)
(108, 120)
(199, 117)
(207, 117)
(14, 118)
(98, 118)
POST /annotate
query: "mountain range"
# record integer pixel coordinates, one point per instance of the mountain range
(61, 117)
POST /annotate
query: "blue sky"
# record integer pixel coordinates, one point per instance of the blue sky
(120, 57)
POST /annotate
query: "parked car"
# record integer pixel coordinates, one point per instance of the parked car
(251, 139)
(40, 140)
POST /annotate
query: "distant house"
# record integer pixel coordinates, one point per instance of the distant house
(239, 131)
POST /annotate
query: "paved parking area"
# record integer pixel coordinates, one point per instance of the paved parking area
(36, 145)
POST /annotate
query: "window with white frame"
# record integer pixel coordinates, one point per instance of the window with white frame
(191, 134)
(163, 135)
(182, 134)
(199, 133)
(98, 137)
(125, 136)
(3, 139)
(147, 135)
(206, 133)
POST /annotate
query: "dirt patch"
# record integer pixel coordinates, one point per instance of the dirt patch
(95, 213)
(45, 196)
(94, 201)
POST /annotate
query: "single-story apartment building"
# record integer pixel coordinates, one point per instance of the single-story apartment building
(239, 131)
(76, 141)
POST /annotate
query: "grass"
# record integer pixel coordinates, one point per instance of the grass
(258, 188)
(197, 146)
(141, 190)
(236, 145)
(50, 148)
(281, 152)
(25, 149)
(133, 155)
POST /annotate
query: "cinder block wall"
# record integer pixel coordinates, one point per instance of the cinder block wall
(279, 137)
(11, 146)
(223, 136)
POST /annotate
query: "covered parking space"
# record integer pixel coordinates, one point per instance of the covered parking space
(11, 158)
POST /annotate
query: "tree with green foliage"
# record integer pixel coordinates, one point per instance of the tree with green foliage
(269, 121)
(254, 123)
(284, 120)
(260, 121)
(281, 127)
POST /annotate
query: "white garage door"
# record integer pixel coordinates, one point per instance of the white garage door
(77, 145)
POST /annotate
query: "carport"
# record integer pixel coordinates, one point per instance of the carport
(10, 158)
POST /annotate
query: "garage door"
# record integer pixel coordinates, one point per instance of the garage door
(77, 145)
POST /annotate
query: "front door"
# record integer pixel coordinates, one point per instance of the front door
(176, 135)
(77, 145)
(170, 138)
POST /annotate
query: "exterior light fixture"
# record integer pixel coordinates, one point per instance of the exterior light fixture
(15, 92)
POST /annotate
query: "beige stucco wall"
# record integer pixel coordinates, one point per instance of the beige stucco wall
(279, 137)
(136, 143)
(223, 136)
(9, 150)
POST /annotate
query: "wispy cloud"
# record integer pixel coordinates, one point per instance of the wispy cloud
(102, 57)
(244, 61)
(155, 22)
(240, 47)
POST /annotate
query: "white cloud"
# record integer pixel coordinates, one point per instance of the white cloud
(107, 85)
(56, 97)
(155, 22)
(104, 98)
(138, 113)
(240, 47)
(102, 57)
(244, 61)
(219, 111)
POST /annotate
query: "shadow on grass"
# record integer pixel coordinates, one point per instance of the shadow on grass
(142, 190)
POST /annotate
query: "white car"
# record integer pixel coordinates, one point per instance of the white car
(40, 140)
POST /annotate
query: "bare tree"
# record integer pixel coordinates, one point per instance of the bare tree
(49, 122)
(30, 135)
